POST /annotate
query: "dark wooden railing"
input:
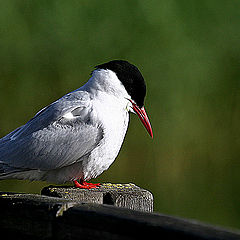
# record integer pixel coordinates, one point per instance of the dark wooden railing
(121, 211)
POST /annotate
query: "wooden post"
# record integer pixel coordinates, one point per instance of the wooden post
(120, 195)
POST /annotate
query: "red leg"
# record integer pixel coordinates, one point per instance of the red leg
(85, 185)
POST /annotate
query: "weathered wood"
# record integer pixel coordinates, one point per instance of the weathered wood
(27, 216)
(109, 222)
(119, 195)
(30, 216)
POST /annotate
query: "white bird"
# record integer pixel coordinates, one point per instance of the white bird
(78, 136)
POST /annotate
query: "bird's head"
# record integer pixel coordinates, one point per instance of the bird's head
(133, 82)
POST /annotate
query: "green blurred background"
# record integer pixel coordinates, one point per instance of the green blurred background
(189, 54)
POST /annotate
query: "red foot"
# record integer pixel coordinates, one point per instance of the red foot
(85, 185)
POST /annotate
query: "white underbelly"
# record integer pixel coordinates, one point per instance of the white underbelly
(104, 155)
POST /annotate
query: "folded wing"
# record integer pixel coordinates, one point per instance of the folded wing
(59, 135)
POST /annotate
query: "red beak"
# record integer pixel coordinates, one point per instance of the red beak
(141, 112)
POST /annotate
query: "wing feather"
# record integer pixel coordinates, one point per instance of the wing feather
(49, 141)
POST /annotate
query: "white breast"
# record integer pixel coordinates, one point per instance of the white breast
(110, 106)
(114, 118)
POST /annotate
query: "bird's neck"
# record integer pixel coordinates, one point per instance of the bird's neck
(106, 81)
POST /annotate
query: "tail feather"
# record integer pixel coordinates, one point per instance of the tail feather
(6, 171)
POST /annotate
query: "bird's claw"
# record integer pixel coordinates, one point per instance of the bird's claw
(85, 185)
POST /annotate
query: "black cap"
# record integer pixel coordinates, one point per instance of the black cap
(130, 77)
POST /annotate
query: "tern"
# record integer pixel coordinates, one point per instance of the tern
(78, 136)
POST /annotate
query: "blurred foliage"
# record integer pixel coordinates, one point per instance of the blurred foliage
(189, 54)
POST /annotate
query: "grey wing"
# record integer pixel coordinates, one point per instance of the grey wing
(50, 141)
